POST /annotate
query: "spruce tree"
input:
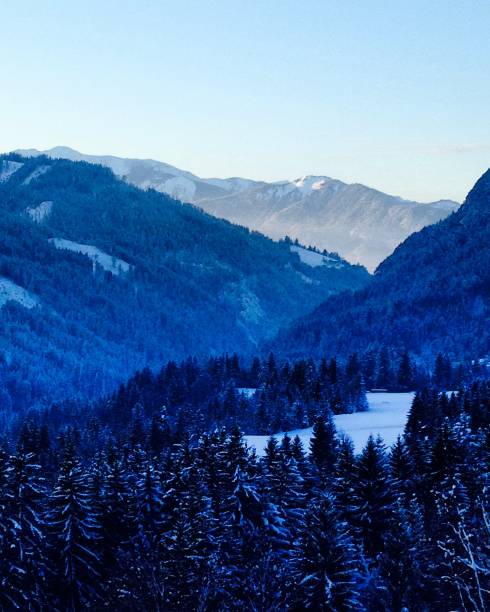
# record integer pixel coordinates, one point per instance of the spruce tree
(405, 373)
(373, 497)
(23, 554)
(384, 378)
(323, 445)
(325, 567)
(343, 482)
(74, 536)
(401, 563)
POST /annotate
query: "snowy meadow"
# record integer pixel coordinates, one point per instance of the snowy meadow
(386, 417)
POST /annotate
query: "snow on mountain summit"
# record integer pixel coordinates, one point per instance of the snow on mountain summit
(307, 184)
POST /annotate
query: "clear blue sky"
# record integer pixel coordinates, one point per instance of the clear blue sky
(394, 94)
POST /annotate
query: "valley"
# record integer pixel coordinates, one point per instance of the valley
(153, 356)
(245, 315)
(130, 278)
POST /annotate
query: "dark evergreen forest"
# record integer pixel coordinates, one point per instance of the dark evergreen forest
(154, 518)
(258, 395)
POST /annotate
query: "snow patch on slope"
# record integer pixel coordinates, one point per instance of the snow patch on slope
(41, 212)
(7, 168)
(387, 416)
(234, 184)
(39, 171)
(10, 291)
(310, 258)
(179, 187)
(106, 261)
(314, 259)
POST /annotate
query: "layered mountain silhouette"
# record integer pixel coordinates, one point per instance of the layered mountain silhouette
(362, 224)
(99, 278)
(432, 295)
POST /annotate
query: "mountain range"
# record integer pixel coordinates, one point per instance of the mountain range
(362, 224)
(99, 278)
(432, 295)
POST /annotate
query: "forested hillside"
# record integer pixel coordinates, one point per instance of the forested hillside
(431, 296)
(362, 224)
(99, 278)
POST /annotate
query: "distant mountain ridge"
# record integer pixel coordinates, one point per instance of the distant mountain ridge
(431, 295)
(149, 173)
(99, 278)
(362, 224)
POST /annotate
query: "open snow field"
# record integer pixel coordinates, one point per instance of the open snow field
(386, 416)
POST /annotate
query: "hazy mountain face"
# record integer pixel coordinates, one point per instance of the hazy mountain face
(361, 224)
(431, 295)
(99, 278)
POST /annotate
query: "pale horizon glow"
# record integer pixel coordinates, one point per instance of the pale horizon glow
(391, 95)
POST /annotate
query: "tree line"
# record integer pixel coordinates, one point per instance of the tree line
(259, 395)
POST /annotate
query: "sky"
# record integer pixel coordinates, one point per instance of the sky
(395, 95)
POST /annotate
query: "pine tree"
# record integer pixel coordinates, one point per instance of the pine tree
(23, 562)
(149, 508)
(323, 445)
(401, 564)
(286, 446)
(118, 518)
(343, 482)
(448, 487)
(266, 585)
(384, 376)
(442, 373)
(241, 541)
(402, 471)
(235, 452)
(297, 449)
(74, 534)
(188, 531)
(159, 435)
(405, 373)
(282, 486)
(326, 576)
(421, 413)
(373, 497)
